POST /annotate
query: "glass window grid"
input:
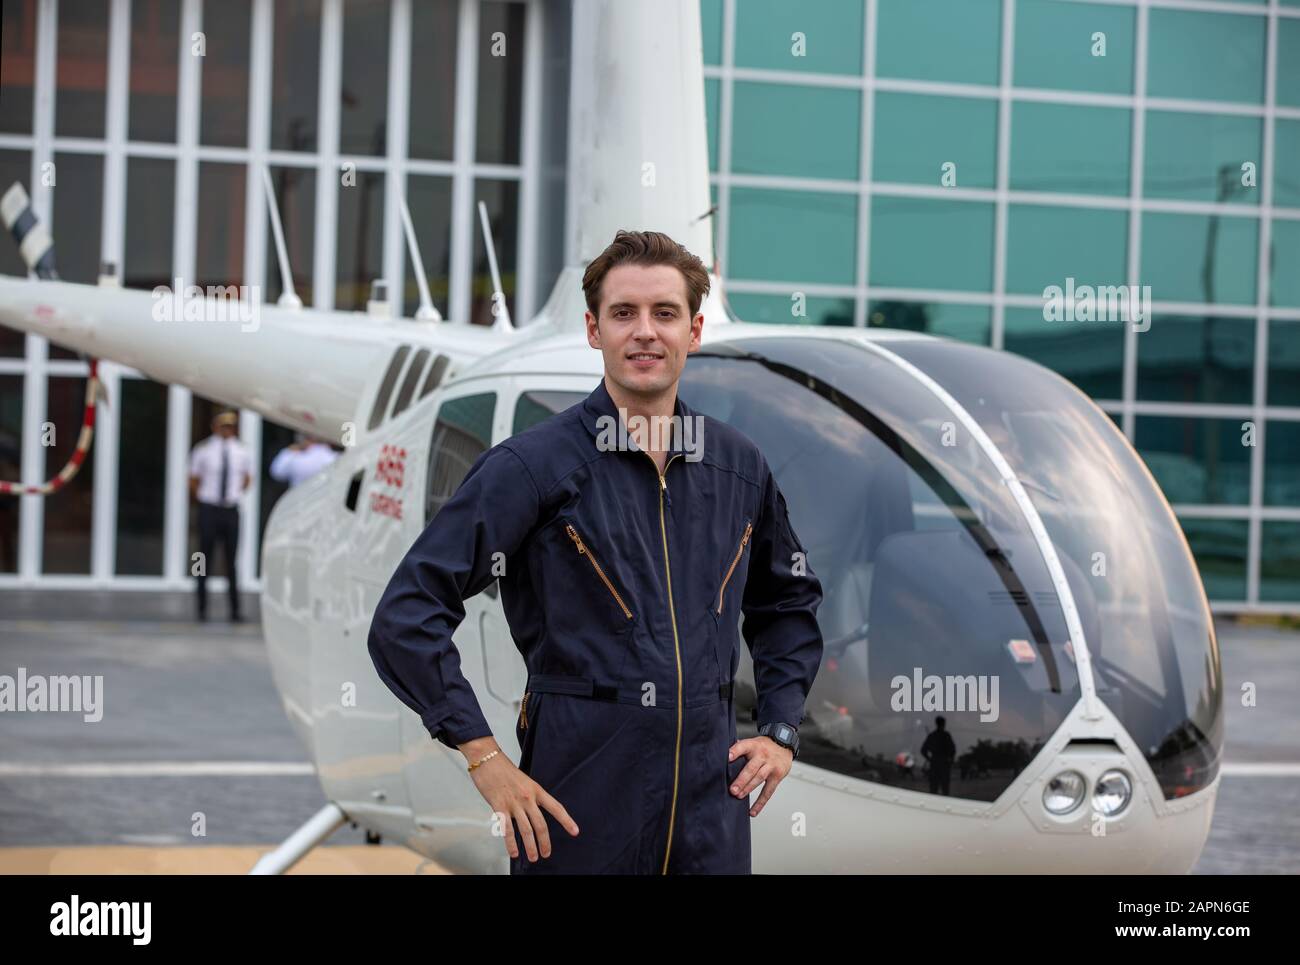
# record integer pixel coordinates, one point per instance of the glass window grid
(116, 150)
(1279, 22)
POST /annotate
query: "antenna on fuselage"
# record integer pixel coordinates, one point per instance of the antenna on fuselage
(288, 297)
(426, 311)
(503, 322)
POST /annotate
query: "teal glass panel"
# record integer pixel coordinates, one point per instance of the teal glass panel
(1283, 362)
(780, 309)
(1089, 354)
(1199, 258)
(1286, 162)
(1288, 62)
(711, 30)
(1196, 459)
(1205, 56)
(810, 132)
(1279, 562)
(1199, 157)
(944, 40)
(1057, 46)
(712, 88)
(916, 135)
(1048, 245)
(966, 323)
(830, 42)
(924, 243)
(1196, 359)
(1284, 285)
(1282, 464)
(1220, 548)
(785, 235)
(1070, 147)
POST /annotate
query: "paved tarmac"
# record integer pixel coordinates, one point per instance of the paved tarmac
(205, 734)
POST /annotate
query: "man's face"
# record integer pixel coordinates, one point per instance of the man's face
(224, 429)
(643, 311)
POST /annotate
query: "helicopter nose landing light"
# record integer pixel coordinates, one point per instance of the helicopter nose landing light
(1113, 792)
(1064, 792)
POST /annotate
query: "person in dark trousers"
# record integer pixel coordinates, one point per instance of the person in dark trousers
(632, 543)
(939, 750)
(221, 469)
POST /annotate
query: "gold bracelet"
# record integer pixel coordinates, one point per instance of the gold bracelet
(485, 757)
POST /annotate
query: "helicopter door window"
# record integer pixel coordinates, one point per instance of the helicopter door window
(407, 391)
(386, 386)
(462, 433)
(538, 405)
(434, 378)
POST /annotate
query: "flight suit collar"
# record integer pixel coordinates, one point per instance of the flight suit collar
(599, 405)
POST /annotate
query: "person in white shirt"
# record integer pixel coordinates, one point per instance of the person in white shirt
(302, 460)
(221, 469)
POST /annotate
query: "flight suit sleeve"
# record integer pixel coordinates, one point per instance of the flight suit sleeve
(780, 604)
(492, 512)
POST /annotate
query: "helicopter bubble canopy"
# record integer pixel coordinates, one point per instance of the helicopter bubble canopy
(938, 601)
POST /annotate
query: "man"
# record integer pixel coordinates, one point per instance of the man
(939, 750)
(626, 557)
(299, 462)
(220, 470)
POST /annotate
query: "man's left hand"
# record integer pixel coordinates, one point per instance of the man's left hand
(768, 765)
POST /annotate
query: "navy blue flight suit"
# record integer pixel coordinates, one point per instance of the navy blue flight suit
(623, 589)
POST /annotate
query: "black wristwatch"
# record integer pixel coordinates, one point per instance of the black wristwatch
(783, 734)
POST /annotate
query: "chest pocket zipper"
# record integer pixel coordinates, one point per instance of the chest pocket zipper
(582, 549)
(749, 528)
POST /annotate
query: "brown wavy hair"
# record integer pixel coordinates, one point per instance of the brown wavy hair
(646, 248)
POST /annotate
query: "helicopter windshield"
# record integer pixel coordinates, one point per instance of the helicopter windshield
(937, 602)
(1147, 625)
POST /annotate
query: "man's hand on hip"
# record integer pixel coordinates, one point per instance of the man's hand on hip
(768, 765)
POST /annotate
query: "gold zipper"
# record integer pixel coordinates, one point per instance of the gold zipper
(582, 548)
(749, 526)
(672, 816)
(523, 712)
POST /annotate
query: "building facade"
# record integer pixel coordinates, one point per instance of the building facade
(136, 126)
(937, 165)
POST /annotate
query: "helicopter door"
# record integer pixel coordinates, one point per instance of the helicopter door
(381, 506)
(527, 401)
(467, 420)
